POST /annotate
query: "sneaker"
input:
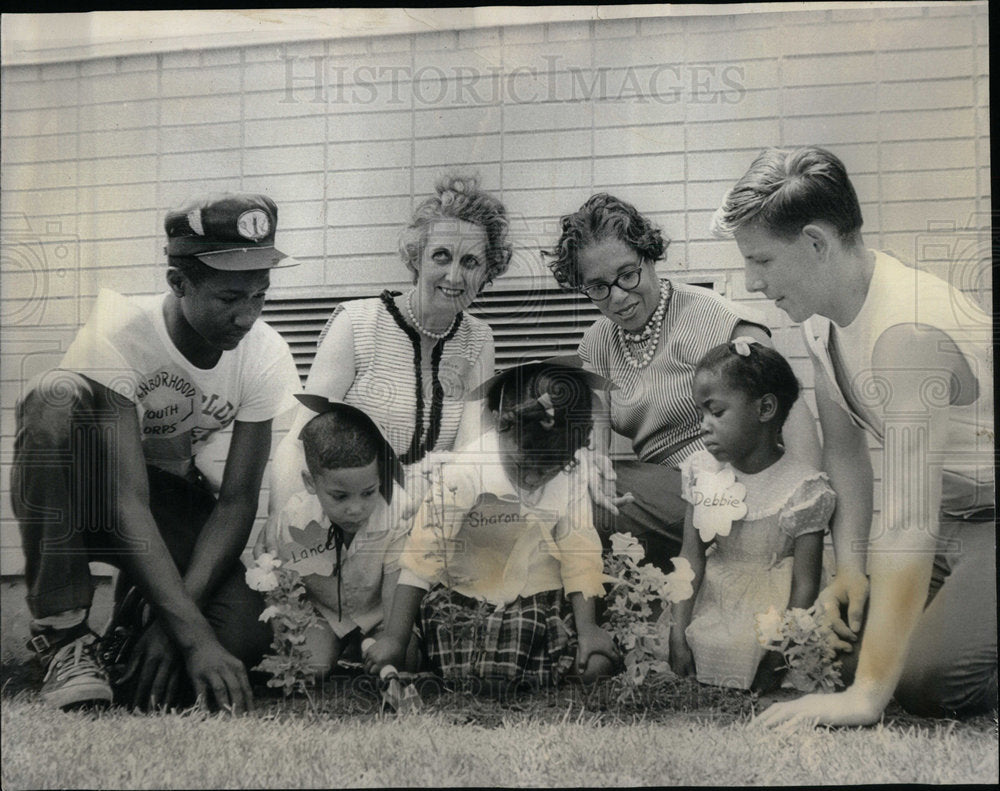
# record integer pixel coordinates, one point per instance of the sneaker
(75, 676)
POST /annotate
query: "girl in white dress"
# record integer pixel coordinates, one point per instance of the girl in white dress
(755, 518)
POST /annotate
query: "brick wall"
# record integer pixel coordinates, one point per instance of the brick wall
(345, 134)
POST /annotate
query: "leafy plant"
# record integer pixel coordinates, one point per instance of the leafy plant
(806, 641)
(291, 615)
(638, 612)
(441, 513)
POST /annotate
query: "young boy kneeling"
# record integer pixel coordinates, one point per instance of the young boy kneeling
(341, 534)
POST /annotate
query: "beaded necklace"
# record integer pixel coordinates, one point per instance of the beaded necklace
(423, 331)
(420, 445)
(649, 336)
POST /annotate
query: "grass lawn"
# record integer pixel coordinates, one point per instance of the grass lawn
(681, 733)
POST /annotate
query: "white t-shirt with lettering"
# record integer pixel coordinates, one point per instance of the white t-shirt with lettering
(125, 346)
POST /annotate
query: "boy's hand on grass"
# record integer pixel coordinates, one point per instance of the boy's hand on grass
(387, 650)
(213, 668)
(154, 661)
(850, 707)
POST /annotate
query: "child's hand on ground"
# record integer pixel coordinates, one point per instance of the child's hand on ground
(596, 654)
(387, 650)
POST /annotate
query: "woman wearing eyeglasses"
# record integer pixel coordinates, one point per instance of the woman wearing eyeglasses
(649, 341)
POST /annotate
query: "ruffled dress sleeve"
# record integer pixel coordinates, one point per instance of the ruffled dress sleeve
(809, 508)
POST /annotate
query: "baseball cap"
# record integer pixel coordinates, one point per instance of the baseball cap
(232, 231)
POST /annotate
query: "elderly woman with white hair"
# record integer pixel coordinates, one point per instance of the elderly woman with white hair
(409, 359)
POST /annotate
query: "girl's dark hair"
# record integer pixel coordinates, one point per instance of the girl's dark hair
(342, 439)
(551, 439)
(758, 373)
(602, 217)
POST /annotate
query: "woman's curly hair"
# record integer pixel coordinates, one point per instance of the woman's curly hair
(458, 196)
(603, 216)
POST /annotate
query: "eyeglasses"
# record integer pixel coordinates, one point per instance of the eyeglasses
(626, 281)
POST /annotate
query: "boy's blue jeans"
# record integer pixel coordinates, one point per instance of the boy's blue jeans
(951, 667)
(63, 492)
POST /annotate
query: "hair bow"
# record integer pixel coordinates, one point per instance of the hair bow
(742, 344)
(545, 401)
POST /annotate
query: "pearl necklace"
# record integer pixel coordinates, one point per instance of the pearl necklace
(651, 331)
(420, 327)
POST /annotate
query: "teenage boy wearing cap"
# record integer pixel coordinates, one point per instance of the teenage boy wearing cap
(104, 466)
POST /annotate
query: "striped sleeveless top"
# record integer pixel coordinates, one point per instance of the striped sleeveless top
(653, 406)
(385, 382)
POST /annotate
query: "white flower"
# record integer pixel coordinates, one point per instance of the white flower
(627, 545)
(651, 576)
(719, 500)
(682, 568)
(769, 626)
(269, 613)
(678, 586)
(803, 622)
(260, 579)
(267, 561)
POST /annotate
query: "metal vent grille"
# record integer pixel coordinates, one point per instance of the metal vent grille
(527, 323)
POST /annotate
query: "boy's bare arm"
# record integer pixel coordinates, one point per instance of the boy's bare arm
(847, 461)
(227, 530)
(901, 551)
(209, 664)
